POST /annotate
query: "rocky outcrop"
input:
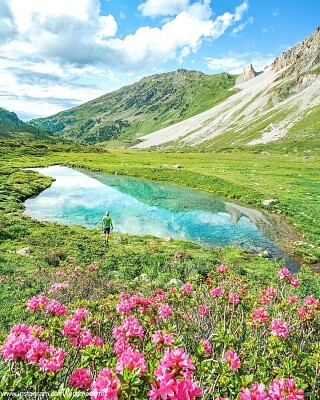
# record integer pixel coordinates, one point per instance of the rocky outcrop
(247, 74)
(302, 57)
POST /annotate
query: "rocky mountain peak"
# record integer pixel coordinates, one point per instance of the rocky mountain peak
(247, 74)
(301, 57)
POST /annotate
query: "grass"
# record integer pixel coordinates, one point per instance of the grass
(242, 175)
(128, 257)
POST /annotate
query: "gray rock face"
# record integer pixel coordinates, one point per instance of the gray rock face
(247, 74)
(302, 57)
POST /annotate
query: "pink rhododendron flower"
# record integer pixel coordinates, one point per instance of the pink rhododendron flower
(131, 359)
(37, 302)
(18, 329)
(128, 303)
(234, 298)
(36, 330)
(231, 358)
(93, 267)
(285, 389)
(175, 365)
(56, 308)
(57, 287)
(207, 346)
(284, 273)
(83, 339)
(271, 292)
(105, 386)
(130, 328)
(279, 328)
(216, 292)
(17, 346)
(256, 392)
(187, 288)
(203, 310)
(292, 298)
(292, 392)
(164, 311)
(177, 361)
(187, 390)
(158, 296)
(305, 314)
(222, 268)
(164, 389)
(264, 300)
(19, 342)
(294, 282)
(81, 379)
(79, 314)
(36, 351)
(71, 327)
(96, 341)
(260, 315)
(52, 360)
(162, 337)
(311, 301)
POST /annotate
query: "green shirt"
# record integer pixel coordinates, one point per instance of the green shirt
(106, 222)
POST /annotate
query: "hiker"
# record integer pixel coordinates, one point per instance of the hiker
(106, 224)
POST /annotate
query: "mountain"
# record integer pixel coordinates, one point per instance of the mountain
(281, 105)
(12, 127)
(247, 74)
(188, 109)
(152, 103)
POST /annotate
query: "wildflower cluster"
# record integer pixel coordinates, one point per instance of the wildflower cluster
(220, 339)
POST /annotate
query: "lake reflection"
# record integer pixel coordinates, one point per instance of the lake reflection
(140, 207)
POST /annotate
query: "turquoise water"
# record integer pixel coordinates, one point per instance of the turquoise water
(140, 207)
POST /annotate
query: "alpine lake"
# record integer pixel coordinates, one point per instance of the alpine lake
(142, 207)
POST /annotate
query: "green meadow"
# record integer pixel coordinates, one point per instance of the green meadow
(245, 177)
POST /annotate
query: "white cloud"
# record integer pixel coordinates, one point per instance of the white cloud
(74, 32)
(108, 27)
(55, 50)
(241, 10)
(234, 63)
(155, 8)
(276, 13)
(266, 29)
(241, 27)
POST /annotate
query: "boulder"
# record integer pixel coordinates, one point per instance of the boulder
(25, 251)
(174, 282)
(269, 202)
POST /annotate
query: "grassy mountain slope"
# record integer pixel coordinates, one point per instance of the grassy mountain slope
(279, 106)
(143, 107)
(12, 127)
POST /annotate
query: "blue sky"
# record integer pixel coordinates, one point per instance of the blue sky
(57, 54)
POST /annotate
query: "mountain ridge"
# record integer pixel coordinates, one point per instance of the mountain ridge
(143, 107)
(12, 127)
(267, 109)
